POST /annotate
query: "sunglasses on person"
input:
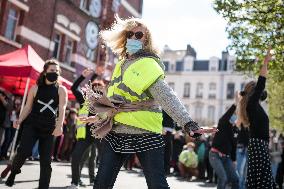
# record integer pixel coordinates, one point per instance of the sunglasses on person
(138, 35)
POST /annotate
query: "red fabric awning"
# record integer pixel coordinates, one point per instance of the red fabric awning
(17, 66)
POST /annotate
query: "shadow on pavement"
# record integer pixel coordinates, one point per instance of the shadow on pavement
(206, 185)
(2, 181)
(26, 162)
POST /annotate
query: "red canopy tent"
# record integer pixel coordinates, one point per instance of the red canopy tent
(20, 69)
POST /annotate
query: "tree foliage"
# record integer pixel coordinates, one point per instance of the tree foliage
(276, 104)
(253, 26)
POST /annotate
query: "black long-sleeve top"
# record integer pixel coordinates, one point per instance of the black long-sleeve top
(80, 98)
(259, 121)
(167, 121)
(77, 91)
(225, 140)
(243, 136)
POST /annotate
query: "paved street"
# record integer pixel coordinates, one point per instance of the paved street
(61, 178)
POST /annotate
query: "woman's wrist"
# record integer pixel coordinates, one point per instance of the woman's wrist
(191, 127)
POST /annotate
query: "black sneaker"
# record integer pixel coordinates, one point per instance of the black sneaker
(81, 183)
(10, 180)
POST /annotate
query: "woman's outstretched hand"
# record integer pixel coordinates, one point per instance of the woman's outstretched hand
(203, 131)
(268, 56)
(193, 130)
(90, 119)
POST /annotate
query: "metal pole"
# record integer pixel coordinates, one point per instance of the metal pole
(17, 131)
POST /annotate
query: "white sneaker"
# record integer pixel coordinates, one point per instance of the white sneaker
(72, 186)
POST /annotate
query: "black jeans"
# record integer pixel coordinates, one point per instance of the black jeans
(30, 135)
(168, 138)
(79, 156)
(152, 162)
(9, 135)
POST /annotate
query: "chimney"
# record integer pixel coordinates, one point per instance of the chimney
(190, 51)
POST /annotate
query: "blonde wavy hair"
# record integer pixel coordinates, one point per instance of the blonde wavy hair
(115, 37)
(242, 104)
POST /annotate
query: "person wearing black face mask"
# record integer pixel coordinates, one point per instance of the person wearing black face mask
(252, 115)
(51, 76)
(43, 114)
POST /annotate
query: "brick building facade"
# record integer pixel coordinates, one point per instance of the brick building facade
(64, 29)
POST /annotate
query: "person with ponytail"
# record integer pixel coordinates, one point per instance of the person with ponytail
(43, 117)
(252, 115)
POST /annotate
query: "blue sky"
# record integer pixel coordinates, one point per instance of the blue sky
(181, 22)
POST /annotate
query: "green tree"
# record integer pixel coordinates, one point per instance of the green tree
(253, 26)
(276, 104)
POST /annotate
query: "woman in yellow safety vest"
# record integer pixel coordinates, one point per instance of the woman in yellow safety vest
(138, 76)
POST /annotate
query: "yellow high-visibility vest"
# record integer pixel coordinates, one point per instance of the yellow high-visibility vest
(81, 127)
(132, 87)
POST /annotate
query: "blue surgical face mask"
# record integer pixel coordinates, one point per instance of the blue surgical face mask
(133, 46)
(233, 119)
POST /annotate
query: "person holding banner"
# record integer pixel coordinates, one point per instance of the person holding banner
(43, 117)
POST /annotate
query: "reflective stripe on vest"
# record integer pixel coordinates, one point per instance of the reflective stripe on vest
(131, 87)
(81, 127)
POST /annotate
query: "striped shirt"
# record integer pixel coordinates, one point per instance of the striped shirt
(134, 143)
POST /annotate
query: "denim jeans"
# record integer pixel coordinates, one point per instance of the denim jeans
(35, 152)
(274, 167)
(224, 168)
(152, 162)
(8, 138)
(242, 165)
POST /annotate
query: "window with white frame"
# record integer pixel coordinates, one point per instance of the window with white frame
(11, 25)
(186, 90)
(199, 90)
(230, 90)
(57, 45)
(84, 4)
(212, 91)
(211, 113)
(68, 51)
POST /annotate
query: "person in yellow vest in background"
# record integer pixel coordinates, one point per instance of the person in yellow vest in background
(138, 76)
(86, 144)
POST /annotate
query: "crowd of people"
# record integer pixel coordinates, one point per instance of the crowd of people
(143, 125)
(184, 157)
